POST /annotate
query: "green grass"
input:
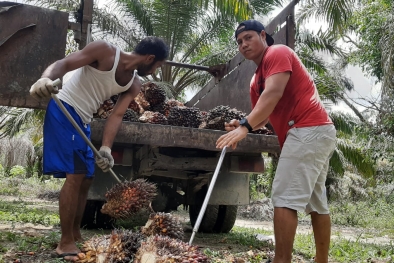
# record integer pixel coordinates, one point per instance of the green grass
(19, 212)
(341, 249)
(27, 187)
(374, 214)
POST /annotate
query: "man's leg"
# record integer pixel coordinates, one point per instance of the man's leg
(322, 231)
(285, 226)
(83, 194)
(67, 210)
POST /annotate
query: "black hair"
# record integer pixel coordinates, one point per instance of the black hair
(153, 46)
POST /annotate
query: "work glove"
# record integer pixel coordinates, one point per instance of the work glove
(106, 161)
(43, 88)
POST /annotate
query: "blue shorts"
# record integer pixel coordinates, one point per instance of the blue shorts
(65, 152)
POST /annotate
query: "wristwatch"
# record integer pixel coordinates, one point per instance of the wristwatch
(244, 122)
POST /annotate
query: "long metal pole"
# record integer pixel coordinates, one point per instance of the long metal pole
(71, 119)
(208, 195)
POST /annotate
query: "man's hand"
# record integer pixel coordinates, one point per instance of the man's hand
(232, 125)
(232, 138)
(43, 88)
(106, 161)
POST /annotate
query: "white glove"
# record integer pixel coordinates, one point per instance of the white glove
(43, 89)
(106, 161)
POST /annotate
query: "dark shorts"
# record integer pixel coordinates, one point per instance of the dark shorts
(65, 152)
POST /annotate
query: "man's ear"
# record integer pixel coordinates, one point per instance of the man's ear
(150, 59)
(262, 34)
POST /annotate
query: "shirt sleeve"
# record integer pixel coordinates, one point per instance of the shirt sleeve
(278, 60)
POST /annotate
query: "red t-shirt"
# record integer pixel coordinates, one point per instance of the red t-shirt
(300, 105)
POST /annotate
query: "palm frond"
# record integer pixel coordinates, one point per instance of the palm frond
(140, 12)
(336, 164)
(312, 62)
(344, 123)
(321, 41)
(359, 160)
(335, 12)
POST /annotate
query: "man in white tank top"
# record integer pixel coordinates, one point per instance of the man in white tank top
(102, 70)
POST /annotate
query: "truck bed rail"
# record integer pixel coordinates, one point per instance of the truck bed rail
(173, 136)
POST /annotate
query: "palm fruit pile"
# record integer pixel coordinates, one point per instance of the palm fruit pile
(127, 198)
(216, 117)
(94, 249)
(124, 244)
(152, 106)
(163, 224)
(105, 109)
(154, 94)
(153, 118)
(159, 241)
(263, 131)
(141, 100)
(185, 117)
(131, 116)
(162, 249)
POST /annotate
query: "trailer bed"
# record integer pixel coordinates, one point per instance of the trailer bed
(131, 133)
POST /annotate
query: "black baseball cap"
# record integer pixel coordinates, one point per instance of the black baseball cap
(255, 26)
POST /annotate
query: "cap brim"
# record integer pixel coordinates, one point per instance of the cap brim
(269, 39)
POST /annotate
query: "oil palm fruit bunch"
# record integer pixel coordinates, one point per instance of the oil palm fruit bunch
(153, 93)
(136, 107)
(123, 246)
(153, 117)
(165, 107)
(131, 115)
(141, 100)
(105, 109)
(125, 199)
(219, 115)
(162, 249)
(184, 116)
(95, 249)
(163, 224)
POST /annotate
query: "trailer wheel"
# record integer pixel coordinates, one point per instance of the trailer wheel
(93, 218)
(208, 221)
(211, 213)
(88, 218)
(226, 218)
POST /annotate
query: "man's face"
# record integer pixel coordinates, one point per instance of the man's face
(148, 69)
(251, 44)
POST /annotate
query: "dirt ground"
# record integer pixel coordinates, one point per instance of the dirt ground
(218, 243)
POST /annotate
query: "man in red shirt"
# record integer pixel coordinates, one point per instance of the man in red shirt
(283, 92)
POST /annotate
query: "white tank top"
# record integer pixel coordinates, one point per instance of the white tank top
(88, 88)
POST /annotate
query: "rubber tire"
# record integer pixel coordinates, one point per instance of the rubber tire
(89, 215)
(208, 222)
(103, 221)
(92, 217)
(226, 218)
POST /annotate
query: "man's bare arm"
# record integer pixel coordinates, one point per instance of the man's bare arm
(261, 125)
(274, 88)
(94, 51)
(112, 125)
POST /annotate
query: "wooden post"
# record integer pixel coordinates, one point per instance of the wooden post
(87, 19)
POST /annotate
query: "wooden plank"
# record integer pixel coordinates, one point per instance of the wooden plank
(202, 93)
(281, 17)
(132, 133)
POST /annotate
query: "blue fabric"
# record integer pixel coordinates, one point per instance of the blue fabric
(65, 151)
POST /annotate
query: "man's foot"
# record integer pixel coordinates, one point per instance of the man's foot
(68, 253)
(68, 256)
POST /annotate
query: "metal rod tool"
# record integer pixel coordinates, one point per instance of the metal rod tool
(70, 118)
(208, 195)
